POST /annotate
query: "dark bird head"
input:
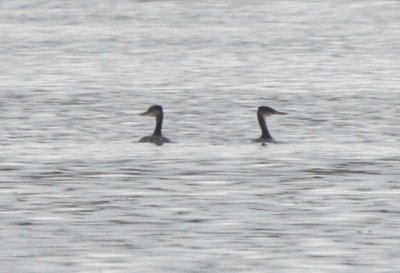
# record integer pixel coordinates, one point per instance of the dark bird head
(268, 111)
(153, 111)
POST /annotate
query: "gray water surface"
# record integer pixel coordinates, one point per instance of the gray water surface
(78, 193)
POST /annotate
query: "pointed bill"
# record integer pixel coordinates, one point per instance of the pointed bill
(146, 113)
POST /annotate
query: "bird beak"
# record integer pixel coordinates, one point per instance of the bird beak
(280, 113)
(145, 113)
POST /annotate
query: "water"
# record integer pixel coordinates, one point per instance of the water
(79, 194)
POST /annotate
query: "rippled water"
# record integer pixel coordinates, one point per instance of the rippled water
(79, 194)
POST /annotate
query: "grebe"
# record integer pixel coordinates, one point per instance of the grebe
(262, 112)
(157, 137)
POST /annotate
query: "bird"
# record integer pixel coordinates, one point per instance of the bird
(262, 112)
(157, 137)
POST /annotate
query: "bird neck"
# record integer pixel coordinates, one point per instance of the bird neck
(157, 129)
(263, 125)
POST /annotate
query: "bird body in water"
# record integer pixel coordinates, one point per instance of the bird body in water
(262, 112)
(157, 137)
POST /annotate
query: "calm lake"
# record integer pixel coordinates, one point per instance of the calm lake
(78, 193)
